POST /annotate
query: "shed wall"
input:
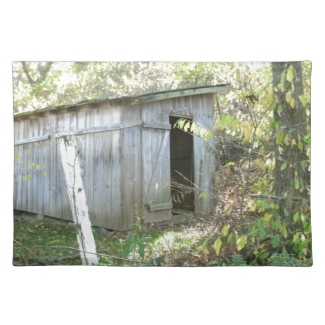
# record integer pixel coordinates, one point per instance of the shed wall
(111, 161)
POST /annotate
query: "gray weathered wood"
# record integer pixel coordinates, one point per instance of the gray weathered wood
(155, 165)
(178, 110)
(105, 128)
(33, 139)
(162, 206)
(157, 126)
(175, 94)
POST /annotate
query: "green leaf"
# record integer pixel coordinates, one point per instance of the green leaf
(187, 126)
(279, 137)
(296, 216)
(287, 140)
(203, 195)
(262, 233)
(217, 245)
(254, 232)
(241, 242)
(273, 125)
(264, 255)
(275, 241)
(300, 146)
(229, 238)
(290, 73)
(304, 101)
(225, 229)
(283, 166)
(285, 211)
(297, 183)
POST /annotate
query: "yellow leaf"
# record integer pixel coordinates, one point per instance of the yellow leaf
(290, 73)
(237, 74)
(288, 96)
(247, 131)
(292, 103)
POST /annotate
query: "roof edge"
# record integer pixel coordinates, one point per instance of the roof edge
(139, 99)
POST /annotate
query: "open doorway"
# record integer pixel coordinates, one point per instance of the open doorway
(181, 168)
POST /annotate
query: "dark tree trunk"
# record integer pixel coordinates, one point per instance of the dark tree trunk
(291, 116)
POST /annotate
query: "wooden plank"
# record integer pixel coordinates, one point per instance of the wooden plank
(59, 179)
(131, 170)
(97, 170)
(104, 128)
(88, 165)
(114, 164)
(203, 160)
(162, 206)
(40, 171)
(19, 168)
(35, 169)
(178, 110)
(16, 164)
(66, 208)
(46, 160)
(156, 164)
(30, 158)
(52, 165)
(157, 126)
(33, 139)
(179, 93)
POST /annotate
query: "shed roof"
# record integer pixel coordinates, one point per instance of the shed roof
(139, 99)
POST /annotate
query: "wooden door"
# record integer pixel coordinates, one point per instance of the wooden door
(156, 166)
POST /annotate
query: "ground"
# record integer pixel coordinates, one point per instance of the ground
(190, 243)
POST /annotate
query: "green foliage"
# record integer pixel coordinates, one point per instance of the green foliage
(236, 260)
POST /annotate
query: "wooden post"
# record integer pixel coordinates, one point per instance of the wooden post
(77, 197)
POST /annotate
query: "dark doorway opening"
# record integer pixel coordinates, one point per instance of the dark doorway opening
(181, 167)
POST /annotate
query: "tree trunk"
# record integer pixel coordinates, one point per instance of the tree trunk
(77, 197)
(290, 114)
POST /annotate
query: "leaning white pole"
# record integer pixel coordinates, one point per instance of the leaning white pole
(77, 197)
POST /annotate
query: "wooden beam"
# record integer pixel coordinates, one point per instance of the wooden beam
(162, 206)
(157, 126)
(34, 139)
(111, 127)
(179, 93)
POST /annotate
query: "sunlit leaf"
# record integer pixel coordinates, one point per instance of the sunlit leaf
(225, 229)
(229, 238)
(290, 73)
(288, 96)
(292, 103)
(203, 195)
(241, 242)
(217, 245)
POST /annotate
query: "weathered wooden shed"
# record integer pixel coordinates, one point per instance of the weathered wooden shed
(130, 156)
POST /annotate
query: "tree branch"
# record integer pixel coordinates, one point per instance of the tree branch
(42, 70)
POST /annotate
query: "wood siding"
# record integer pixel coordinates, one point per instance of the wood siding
(124, 158)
